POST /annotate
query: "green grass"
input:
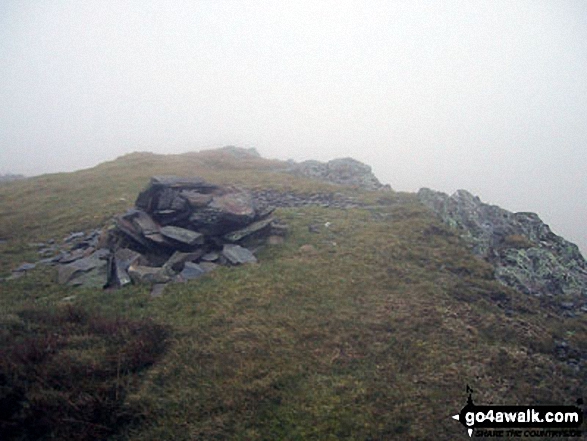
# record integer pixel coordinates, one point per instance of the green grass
(372, 337)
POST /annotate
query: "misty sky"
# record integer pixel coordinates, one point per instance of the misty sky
(490, 96)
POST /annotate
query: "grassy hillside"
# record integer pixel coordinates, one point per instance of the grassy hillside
(372, 335)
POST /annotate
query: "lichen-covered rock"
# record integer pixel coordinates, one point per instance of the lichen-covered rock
(526, 254)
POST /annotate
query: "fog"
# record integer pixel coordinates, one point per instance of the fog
(489, 96)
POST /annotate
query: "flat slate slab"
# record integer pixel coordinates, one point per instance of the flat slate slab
(238, 255)
(91, 271)
(182, 235)
(254, 228)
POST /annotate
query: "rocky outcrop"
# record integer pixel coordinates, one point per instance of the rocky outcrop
(240, 152)
(342, 171)
(526, 254)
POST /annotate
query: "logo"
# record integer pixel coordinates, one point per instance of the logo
(516, 421)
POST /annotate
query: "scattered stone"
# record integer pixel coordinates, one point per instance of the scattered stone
(148, 274)
(191, 271)
(25, 267)
(90, 272)
(73, 236)
(238, 255)
(208, 266)
(49, 251)
(73, 256)
(178, 259)
(256, 228)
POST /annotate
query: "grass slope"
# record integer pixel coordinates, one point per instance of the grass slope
(373, 336)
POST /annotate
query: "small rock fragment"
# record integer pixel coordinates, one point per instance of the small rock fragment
(25, 267)
(238, 255)
(191, 271)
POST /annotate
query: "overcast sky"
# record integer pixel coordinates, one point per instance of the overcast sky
(489, 96)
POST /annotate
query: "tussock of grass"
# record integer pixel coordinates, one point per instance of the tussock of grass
(372, 336)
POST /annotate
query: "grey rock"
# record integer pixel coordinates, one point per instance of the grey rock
(208, 266)
(49, 251)
(25, 267)
(73, 256)
(342, 171)
(144, 223)
(261, 227)
(148, 274)
(123, 259)
(182, 235)
(191, 271)
(210, 257)
(90, 272)
(238, 255)
(162, 191)
(73, 236)
(178, 259)
(240, 152)
(225, 213)
(196, 199)
(128, 229)
(525, 253)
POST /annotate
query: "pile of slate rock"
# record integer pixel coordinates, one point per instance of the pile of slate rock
(179, 229)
